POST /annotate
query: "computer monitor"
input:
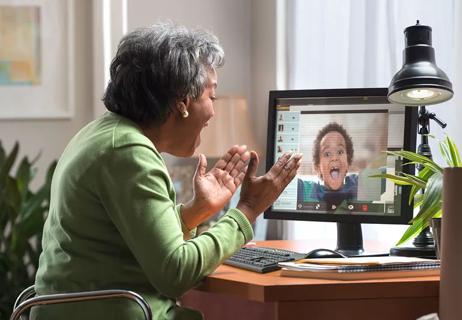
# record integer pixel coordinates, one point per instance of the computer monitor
(343, 135)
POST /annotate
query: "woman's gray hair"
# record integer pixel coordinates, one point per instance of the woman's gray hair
(157, 66)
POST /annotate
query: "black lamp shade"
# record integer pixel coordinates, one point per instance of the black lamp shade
(420, 81)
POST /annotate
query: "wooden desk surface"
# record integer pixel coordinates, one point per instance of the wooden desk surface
(272, 287)
(286, 296)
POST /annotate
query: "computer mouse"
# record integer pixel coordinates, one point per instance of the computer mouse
(324, 253)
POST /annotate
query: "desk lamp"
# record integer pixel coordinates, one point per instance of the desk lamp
(419, 83)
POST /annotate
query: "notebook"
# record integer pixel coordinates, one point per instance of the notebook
(361, 268)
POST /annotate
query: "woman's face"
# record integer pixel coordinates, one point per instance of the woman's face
(200, 112)
(333, 162)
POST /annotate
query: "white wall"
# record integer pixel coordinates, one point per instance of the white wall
(229, 20)
(264, 65)
(452, 112)
(51, 136)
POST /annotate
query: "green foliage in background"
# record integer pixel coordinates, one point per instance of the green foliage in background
(429, 179)
(22, 214)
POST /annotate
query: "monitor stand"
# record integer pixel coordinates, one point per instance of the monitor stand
(350, 241)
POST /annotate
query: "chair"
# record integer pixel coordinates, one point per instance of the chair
(27, 299)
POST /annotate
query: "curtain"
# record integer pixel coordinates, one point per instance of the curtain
(359, 43)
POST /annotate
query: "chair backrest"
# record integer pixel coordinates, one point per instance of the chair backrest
(27, 293)
(27, 300)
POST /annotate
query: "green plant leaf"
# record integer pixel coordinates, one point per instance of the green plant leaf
(34, 255)
(22, 214)
(3, 264)
(432, 197)
(34, 161)
(24, 176)
(3, 221)
(418, 224)
(425, 173)
(34, 202)
(429, 179)
(50, 172)
(412, 194)
(2, 155)
(417, 159)
(439, 214)
(33, 224)
(400, 180)
(418, 198)
(13, 196)
(412, 231)
(426, 214)
(6, 167)
(454, 152)
(432, 167)
(446, 153)
(419, 183)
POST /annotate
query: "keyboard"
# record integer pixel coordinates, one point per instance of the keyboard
(262, 259)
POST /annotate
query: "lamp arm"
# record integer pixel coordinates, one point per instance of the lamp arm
(440, 122)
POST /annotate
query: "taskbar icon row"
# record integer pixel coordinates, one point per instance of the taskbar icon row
(323, 206)
(345, 207)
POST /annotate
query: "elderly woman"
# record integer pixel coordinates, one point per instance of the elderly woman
(113, 220)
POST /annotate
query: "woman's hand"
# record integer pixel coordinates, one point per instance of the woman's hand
(214, 189)
(258, 193)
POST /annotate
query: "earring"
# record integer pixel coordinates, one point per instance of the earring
(184, 113)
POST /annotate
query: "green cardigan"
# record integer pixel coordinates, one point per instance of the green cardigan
(114, 224)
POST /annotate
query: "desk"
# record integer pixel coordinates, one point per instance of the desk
(232, 293)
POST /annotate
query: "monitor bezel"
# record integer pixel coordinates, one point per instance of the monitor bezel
(410, 134)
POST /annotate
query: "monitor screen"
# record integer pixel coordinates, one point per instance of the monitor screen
(343, 135)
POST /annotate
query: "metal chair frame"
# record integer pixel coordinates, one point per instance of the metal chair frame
(27, 299)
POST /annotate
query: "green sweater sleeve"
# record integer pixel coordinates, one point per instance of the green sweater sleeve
(187, 234)
(138, 196)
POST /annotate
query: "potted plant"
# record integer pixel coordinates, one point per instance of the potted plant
(22, 214)
(429, 179)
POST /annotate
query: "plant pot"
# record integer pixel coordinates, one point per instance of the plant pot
(450, 306)
(435, 225)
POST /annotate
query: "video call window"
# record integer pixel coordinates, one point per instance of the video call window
(342, 146)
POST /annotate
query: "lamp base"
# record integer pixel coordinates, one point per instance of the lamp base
(419, 252)
(424, 247)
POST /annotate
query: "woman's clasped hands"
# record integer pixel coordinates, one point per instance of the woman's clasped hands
(214, 189)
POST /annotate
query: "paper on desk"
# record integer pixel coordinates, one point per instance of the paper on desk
(308, 266)
(361, 264)
(365, 261)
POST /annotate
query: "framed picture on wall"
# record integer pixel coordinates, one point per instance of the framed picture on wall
(36, 59)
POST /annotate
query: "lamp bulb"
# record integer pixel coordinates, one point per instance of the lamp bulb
(420, 94)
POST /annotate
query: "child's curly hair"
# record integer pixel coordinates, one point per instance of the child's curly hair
(333, 126)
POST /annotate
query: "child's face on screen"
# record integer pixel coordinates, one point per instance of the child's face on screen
(333, 162)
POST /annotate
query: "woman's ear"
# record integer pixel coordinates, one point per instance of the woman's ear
(182, 106)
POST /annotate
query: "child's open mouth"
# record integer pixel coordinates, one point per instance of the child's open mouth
(334, 173)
